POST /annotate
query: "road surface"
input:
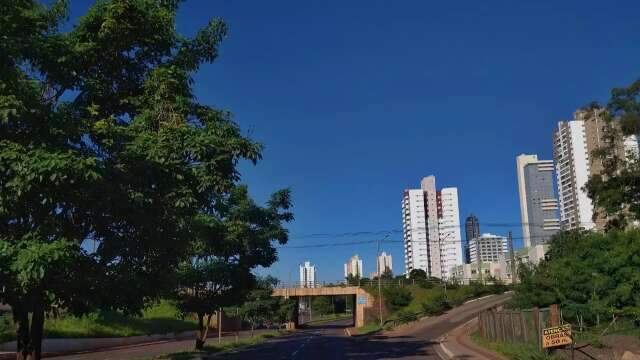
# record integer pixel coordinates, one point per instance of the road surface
(418, 340)
(328, 341)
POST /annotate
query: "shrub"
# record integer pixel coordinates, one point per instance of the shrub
(396, 298)
(437, 305)
(406, 316)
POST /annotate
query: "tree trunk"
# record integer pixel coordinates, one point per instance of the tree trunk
(28, 336)
(203, 327)
(37, 325)
(199, 342)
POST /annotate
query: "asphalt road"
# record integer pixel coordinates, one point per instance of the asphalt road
(415, 341)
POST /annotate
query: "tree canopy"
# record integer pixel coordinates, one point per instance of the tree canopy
(103, 142)
(587, 273)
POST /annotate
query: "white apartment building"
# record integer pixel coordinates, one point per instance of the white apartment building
(353, 267)
(307, 275)
(488, 247)
(466, 273)
(528, 255)
(431, 229)
(384, 263)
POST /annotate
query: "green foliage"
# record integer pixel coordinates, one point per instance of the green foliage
(614, 190)
(436, 305)
(102, 142)
(157, 319)
(417, 274)
(396, 298)
(586, 273)
(261, 306)
(322, 305)
(406, 316)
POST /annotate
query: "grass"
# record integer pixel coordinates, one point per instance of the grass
(513, 351)
(328, 318)
(159, 319)
(367, 329)
(225, 346)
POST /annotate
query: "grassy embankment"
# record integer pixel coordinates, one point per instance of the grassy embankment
(159, 319)
(513, 351)
(225, 346)
(432, 298)
(328, 318)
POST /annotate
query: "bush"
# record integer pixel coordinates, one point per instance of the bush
(406, 316)
(396, 298)
(437, 305)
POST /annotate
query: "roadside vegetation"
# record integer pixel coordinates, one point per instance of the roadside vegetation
(159, 319)
(214, 348)
(513, 351)
(424, 296)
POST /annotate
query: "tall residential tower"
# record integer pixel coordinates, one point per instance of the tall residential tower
(573, 144)
(538, 203)
(431, 227)
(471, 230)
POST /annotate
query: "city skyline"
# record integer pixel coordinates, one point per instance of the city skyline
(461, 117)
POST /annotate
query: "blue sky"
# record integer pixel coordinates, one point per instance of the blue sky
(356, 101)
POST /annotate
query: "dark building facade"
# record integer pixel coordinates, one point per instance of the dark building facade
(472, 230)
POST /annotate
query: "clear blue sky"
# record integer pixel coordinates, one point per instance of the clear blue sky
(357, 100)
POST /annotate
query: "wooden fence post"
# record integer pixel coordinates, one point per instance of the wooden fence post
(553, 315)
(523, 323)
(513, 327)
(481, 326)
(536, 322)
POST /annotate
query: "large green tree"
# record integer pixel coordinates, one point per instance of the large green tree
(588, 274)
(102, 142)
(230, 240)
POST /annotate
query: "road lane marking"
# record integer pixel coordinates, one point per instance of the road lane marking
(446, 351)
(293, 355)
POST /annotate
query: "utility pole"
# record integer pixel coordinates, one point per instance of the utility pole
(478, 259)
(379, 281)
(514, 276)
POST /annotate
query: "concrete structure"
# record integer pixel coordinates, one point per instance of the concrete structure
(472, 231)
(364, 302)
(353, 267)
(489, 247)
(530, 255)
(538, 203)
(384, 263)
(307, 275)
(466, 273)
(431, 229)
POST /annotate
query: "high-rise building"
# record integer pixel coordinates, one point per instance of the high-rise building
(573, 144)
(307, 274)
(383, 264)
(538, 203)
(353, 267)
(488, 247)
(431, 227)
(472, 230)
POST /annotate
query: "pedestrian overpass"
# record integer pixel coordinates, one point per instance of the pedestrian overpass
(362, 300)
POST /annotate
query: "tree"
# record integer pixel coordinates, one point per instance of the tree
(260, 304)
(230, 241)
(322, 305)
(615, 191)
(418, 274)
(106, 158)
(587, 273)
(353, 280)
(387, 274)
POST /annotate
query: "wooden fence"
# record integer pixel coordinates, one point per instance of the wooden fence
(519, 326)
